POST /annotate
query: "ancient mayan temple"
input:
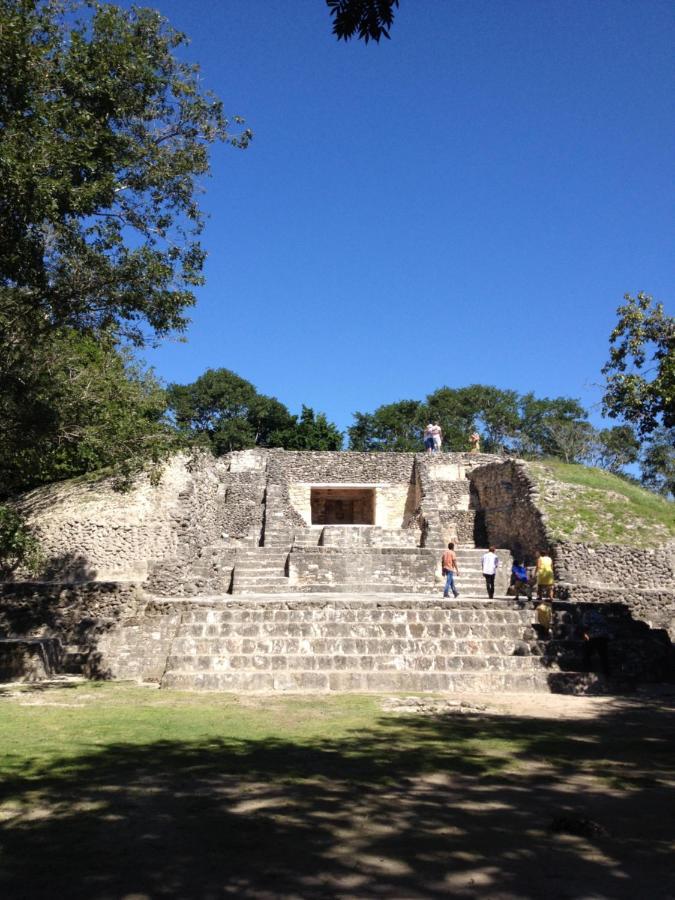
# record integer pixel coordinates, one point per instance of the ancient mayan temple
(278, 570)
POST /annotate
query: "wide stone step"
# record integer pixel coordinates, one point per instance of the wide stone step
(278, 559)
(357, 681)
(454, 611)
(328, 662)
(361, 587)
(343, 630)
(261, 553)
(470, 580)
(251, 590)
(223, 646)
(259, 573)
(448, 613)
(451, 627)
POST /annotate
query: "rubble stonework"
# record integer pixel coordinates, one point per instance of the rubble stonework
(604, 564)
(642, 579)
(181, 536)
(123, 568)
(507, 498)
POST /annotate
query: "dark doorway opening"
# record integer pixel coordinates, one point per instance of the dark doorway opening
(343, 506)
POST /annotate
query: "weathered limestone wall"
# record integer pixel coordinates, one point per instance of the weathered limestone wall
(371, 569)
(319, 467)
(180, 536)
(656, 608)
(506, 498)
(642, 580)
(29, 659)
(614, 564)
(102, 629)
(389, 474)
(159, 534)
(137, 649)
(361, 536)
(392, 502)
(35, 609)
(299, 496)
(90, 532)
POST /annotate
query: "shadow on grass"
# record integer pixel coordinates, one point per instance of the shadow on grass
(10, 689)
(415, 807)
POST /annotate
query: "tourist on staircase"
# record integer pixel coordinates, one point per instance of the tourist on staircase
(544, 573)
(489, 564)
(450, 569)
(544, 620)
(519, 580)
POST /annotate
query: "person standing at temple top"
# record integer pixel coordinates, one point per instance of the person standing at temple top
(490, 563)
(544, 573)
(437, 436)
(429, 438)
(450, 569)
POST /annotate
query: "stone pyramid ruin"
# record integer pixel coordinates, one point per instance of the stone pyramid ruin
(277, 570)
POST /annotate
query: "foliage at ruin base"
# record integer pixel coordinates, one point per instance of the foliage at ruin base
(18, 544)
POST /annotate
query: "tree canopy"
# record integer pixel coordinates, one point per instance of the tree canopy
(616, 448)
(640, 373)
(18, 544)
(505, 420)
(79, 403)
(103, 136)
(369, 20)
(309, 431)
(224, 412)
(658, 462)
(391, 427)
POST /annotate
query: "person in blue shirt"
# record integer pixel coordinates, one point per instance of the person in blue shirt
(519, 579)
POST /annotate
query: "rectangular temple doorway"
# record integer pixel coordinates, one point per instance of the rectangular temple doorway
(343, 506)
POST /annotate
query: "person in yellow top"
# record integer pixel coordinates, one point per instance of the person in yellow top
(544, 573)
(544, 613)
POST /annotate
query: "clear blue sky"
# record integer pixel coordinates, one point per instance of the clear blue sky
(465, 203)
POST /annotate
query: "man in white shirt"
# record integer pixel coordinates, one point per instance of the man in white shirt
(490, 563)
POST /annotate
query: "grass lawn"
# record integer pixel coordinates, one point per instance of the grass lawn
(118, 791)
(590, 505)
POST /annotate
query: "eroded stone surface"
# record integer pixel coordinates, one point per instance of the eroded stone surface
(124, 569)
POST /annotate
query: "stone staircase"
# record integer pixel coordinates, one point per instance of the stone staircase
(260, 570)
(471, 582)
(354, 644)
(265, 570)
